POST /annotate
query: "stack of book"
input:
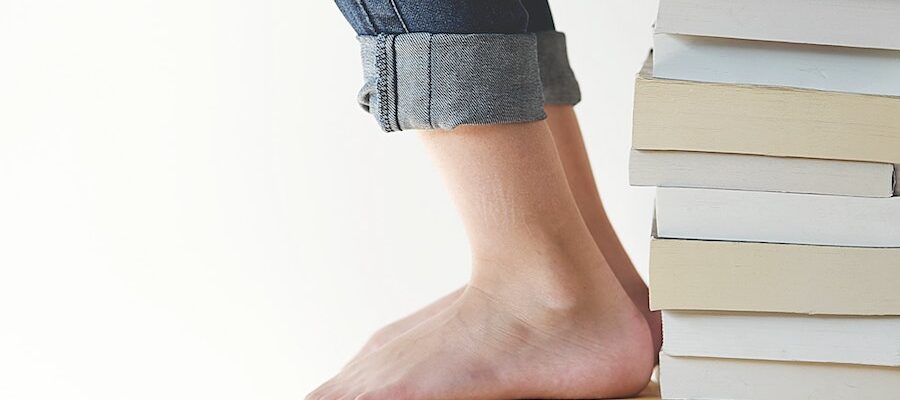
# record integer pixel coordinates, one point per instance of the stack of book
(771, 129)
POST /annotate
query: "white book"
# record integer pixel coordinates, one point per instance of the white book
(783, 337)
(722, 378)
(850, 23)
(742, 216)
(760, 173)
(735, 61)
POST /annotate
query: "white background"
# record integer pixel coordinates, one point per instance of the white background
(192, 206)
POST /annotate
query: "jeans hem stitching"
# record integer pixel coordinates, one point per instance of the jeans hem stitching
(430, 85)
(396, 94)
(381, 83)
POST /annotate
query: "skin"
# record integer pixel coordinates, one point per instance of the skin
(569, 143)
(543, 316)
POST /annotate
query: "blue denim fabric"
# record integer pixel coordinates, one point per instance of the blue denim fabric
(439, 81)
(436, 64)
(372, 17)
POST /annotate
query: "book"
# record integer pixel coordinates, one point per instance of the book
(778, 278)
(745, 216)
(774, 121)
(783, 337)
(651, 392)
(761, 173)
(723, 378)
(840, 69)
(850, 23)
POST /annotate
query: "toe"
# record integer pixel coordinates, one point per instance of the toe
(315, 394)
(322, 392)
(392, 392)
(347, 394)
(350, 396)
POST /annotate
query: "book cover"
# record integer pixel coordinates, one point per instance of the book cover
(763, 120)
(760, 173)
(839, 69)
(778, 278)
(722, 378)
(850, 23)
(863, 340)
(713, 214)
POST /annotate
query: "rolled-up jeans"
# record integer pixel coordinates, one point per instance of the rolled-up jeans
(437, 64)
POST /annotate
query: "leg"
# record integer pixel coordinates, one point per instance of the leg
(543, 315)
(570, 145)
(370, 17)
(561, 93)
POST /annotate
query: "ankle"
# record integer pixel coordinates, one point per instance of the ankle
(554, 277)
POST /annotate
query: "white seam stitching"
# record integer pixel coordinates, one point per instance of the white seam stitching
(430, 89)
(400, 17)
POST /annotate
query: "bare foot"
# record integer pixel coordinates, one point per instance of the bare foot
(569, 145)
(401, 326)
(544, 315)
(496, 344)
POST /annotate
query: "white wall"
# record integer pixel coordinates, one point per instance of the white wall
(193, 207)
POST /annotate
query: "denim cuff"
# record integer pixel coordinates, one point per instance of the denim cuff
(440, 81)
(560, 85)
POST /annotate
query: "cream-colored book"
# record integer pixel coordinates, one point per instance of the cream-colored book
(764, 120)
(724, 378)
(763, 277)
(862, 340)
(770, 174)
